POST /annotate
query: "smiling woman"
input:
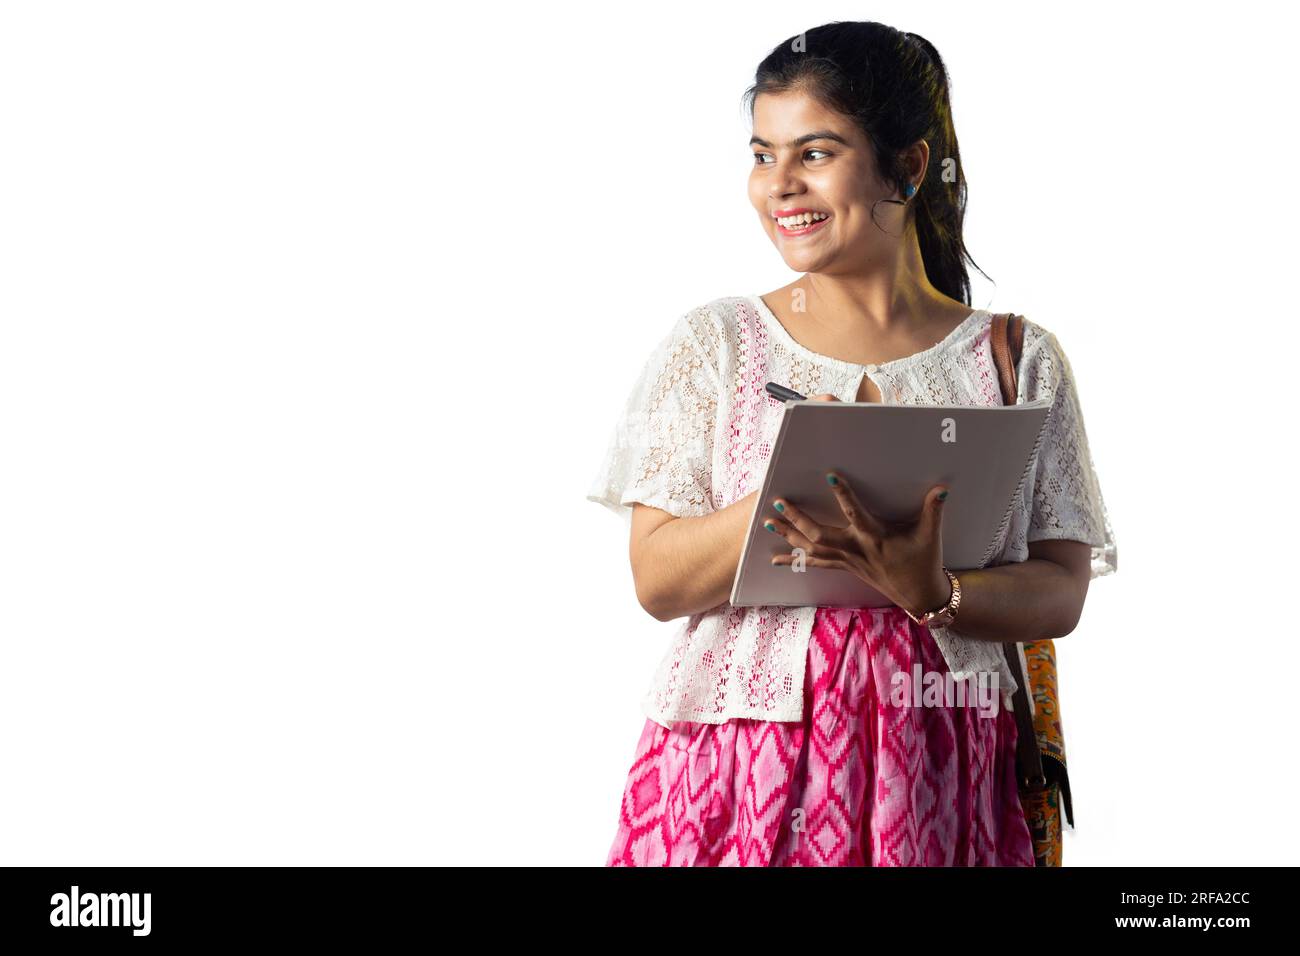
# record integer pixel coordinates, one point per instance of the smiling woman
(771, 737)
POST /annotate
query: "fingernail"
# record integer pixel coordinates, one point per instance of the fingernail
(832, 479)
(943, 494)
(769, 526)
(778, 506)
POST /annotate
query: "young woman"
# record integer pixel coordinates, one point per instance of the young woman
(772, 736)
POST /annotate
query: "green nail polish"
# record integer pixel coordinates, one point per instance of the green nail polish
(943, 494)
(778, 506)
(832, 479)
(769, 526)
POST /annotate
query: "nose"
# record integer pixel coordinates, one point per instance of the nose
(784, 190)
(782, 183)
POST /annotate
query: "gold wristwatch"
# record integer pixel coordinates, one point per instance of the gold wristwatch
(941, 617)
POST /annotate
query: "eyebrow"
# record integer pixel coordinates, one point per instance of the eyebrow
(805, 138)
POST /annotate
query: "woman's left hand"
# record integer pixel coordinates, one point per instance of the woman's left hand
(903, 561)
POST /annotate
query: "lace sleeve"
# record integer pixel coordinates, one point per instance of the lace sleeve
(1067, 501)
(661, 451)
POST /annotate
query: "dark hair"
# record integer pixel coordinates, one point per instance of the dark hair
(895, 87)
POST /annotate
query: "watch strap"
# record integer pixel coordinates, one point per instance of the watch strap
(947, 611)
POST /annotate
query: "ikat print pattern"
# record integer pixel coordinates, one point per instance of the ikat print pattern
(862, 780)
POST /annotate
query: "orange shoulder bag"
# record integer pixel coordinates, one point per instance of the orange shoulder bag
(1040, 750)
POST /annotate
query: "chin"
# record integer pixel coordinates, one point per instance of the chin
(803, 263)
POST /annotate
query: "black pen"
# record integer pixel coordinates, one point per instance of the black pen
(781, 393)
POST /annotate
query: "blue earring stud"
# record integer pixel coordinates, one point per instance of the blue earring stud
(909, 190)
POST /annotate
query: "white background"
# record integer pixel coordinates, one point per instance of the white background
(316, 320)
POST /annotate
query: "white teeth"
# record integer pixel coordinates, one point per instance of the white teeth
(803, 219)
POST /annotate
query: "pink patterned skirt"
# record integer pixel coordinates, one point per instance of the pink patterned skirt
(867, 779)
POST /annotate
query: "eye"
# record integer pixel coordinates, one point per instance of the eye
(808, 154)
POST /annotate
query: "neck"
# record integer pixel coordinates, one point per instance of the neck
(885, 299)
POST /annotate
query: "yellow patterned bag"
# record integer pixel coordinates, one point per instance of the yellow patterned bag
(1043, 803)
(1040, 768)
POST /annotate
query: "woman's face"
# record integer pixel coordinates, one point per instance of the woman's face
(808, 159)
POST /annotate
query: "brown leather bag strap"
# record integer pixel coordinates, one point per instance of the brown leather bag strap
(1007, 338)
(1029, 762)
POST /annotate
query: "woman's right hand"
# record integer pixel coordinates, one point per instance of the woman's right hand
(685, 565)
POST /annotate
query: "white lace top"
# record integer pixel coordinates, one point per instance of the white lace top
(695, 436)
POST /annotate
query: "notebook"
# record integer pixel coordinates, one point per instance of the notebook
(891, 455)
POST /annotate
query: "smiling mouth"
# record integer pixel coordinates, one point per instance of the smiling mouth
(802, 224)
